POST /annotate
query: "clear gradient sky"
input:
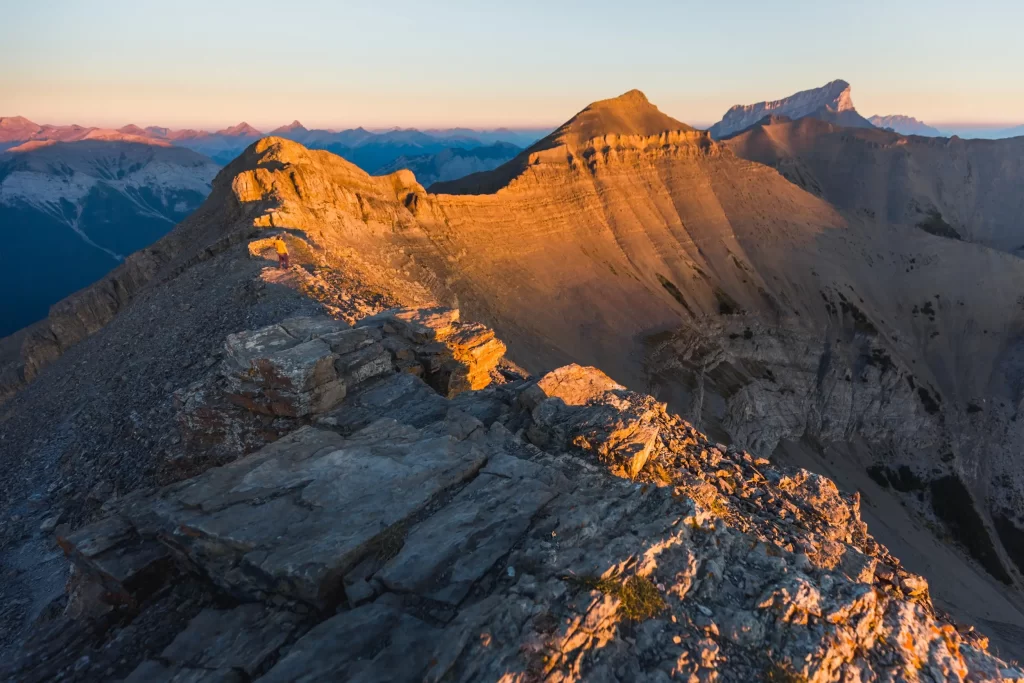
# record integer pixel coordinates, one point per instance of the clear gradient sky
(525, 63)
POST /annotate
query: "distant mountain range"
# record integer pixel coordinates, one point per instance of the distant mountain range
(454, 163)
(982, 132)
(908, 125)
(905, 125)
(369, 150)
(71, 211)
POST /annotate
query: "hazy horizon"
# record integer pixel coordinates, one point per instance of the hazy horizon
(344, 65)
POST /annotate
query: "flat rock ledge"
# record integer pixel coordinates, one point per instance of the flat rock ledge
(411, 513)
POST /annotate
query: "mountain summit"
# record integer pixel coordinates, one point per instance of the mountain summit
(905, 125)
(293, 127)
(630, 113)
(831, 102)
(17, 129)
(241, 130)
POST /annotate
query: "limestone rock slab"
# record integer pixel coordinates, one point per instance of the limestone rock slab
(446, 554)
(221, 645)
(292, 518)
(375, 642)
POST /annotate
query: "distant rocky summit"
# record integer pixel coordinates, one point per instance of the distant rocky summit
(905, 125)
(831, 102)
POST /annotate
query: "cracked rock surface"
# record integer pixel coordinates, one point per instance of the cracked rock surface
(420, 527)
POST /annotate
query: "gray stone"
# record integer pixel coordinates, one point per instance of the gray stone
(113, 555)
(361, 364)
(298, 369)
(241, 348)
(221, 645)
(50, 523)
(375, 642)
(291, 382)
(306, 328)
(295, 517)
(446, 554)
(401, 397)
(484, 405)
(348, 341)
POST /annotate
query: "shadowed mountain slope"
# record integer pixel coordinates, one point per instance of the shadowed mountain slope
(961, 189)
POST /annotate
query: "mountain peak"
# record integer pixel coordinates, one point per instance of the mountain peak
(243, 129)
(293, 127)
(14, 128)
(831, 102)
(9, 121)
(905, 125)
(631, 113)
(633, 96)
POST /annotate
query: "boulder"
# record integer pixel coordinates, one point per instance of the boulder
(455, 356)
(375, 642)
(110, 554)
(583, 407)
(576, 385)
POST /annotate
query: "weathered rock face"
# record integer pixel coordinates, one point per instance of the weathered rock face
(949, 187)
(278, 377)
(775, 383)
(455, 356)
(408, 536)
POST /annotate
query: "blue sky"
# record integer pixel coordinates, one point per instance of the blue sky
(526, 63)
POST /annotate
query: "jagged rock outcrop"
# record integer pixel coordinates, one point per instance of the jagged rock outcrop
(278, 377)
(449, 547)
(831, 102)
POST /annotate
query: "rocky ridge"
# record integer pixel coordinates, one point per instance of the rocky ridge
(763, 312)
(831, 102)
(437, 515)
